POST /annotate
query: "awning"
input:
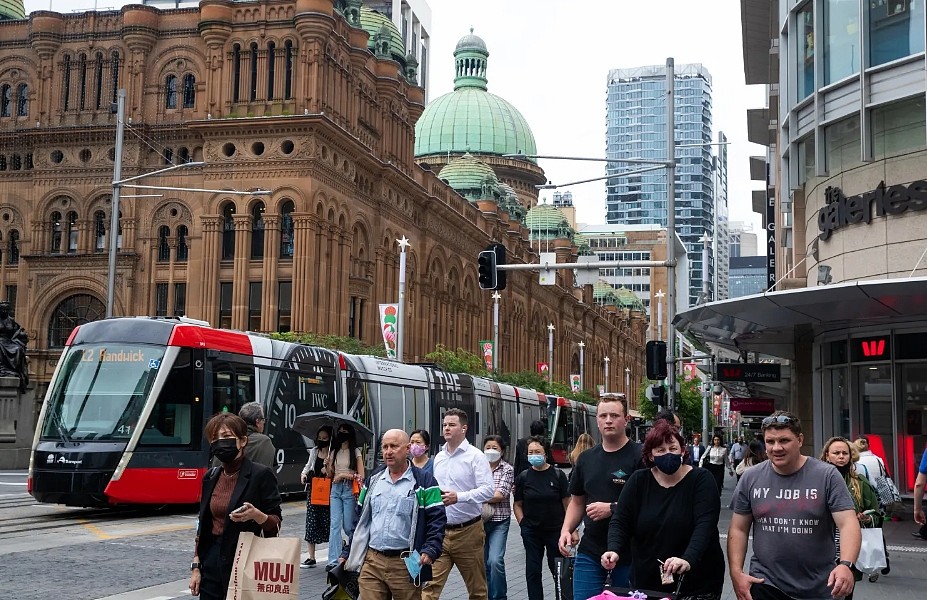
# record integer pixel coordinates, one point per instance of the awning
(773, 322)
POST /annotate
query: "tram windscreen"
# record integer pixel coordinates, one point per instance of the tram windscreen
(100, 391)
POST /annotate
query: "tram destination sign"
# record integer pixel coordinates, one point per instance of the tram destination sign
(749, 372)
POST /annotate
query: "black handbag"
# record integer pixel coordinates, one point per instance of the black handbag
(563, 582)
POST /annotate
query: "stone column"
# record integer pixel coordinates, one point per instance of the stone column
(212, 248)
(303, 285)
(240, 283)
(269, 280)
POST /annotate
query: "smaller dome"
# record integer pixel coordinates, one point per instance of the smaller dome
(467, 176)
(604, 293)
(472, 43)
(15, 9)
(546, 222)
(375, 22)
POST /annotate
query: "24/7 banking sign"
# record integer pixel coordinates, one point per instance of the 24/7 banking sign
(840, 210)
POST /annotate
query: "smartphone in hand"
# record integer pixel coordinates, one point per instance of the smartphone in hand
(241, 508)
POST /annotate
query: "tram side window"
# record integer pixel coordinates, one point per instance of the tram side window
(564, 434)
(178, 411)
(232, 386)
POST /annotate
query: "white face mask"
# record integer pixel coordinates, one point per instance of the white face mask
(492, 455)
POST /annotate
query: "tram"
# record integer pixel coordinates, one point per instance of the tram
(567, 420)
(122, 420)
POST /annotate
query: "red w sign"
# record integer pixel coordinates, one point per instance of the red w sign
(873, 348)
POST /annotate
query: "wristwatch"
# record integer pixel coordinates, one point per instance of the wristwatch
(614, 507)
(194, 565)
(846, 563)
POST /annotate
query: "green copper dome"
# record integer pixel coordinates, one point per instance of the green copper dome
(546, 222)
(12, 9)
(377, 24)
(621, 297)
(471, 178)
(470, 119)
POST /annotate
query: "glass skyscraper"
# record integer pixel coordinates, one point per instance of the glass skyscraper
(636, 128)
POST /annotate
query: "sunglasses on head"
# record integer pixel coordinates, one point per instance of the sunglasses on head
(778, 420)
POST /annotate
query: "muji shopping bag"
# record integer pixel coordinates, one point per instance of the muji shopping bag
(265, 568)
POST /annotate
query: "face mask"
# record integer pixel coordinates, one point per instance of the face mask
(492, 455)
(844, 470)
(225, 449)
(668, 463)
(536, 460)
(322, 443)
(413, 564)
(417, 450)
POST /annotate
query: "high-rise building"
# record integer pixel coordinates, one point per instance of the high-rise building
(636, 128)
(722, 236)
(747, 275)
(743, 239)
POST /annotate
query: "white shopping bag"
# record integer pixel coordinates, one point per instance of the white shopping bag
(872, 552)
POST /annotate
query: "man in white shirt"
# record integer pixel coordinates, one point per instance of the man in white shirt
(466, 483)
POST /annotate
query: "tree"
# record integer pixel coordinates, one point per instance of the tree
(688, 403)
(332, 342)
(458, 361)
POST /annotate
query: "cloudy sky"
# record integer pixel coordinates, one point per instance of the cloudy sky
(550, 58)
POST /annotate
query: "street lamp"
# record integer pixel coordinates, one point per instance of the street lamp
(119, 183)
(582, 360)
(627, 382)
(659, 296)
(550, 353)
(496, 296)
(605, 387)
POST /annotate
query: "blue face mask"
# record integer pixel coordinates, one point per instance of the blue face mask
(413, 559)
(669, 463)
(536, 460)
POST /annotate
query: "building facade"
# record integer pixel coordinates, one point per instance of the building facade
(747, 275)
(846, 132)
(314, 100)
(636, 128)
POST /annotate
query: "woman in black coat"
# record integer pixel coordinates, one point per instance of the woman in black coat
(238, 496)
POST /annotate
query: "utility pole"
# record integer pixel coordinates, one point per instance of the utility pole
(671, 228)
(495, 331)
(114, 205)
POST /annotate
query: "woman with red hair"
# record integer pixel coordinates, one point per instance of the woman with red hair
(667, 517)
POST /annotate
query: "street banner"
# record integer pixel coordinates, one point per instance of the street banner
(574, 382)
(601, 389)
(389, 325)
(543, 368)
(488, 350)
(689, 370)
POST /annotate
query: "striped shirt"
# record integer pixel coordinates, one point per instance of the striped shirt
(503, 477)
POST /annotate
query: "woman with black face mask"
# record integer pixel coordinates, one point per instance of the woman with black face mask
(345, 466)
(318, 516)
(236, 484)
(839, 452)
(667, 518)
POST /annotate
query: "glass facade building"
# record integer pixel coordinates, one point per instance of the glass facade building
(636, 128)
(747, 275)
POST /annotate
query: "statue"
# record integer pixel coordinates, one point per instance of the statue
(13, 339)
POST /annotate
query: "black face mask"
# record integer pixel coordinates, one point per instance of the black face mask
(342, 438)
(844, 470)
(226, 450)
(322, 443)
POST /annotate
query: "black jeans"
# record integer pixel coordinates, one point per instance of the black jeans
(211, 585)
(536, 541)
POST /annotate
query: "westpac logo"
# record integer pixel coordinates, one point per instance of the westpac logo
(872, 348)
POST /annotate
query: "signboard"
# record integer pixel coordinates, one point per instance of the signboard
(871, 348)
(749, 372)
(389, 323)
(487, 350)
(770, 240)
(574, 382)
(753, 406)
(543, 368)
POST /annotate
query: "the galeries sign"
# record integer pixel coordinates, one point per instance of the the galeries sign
(840, 210)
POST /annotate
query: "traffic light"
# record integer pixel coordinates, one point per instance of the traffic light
(658, 394)
(487, 269)
(490, 278)
(656, 359)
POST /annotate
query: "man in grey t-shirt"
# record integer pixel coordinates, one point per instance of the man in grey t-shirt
(792, 502)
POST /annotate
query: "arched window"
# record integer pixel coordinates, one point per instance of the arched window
(66, 84)
(271, 68)
(236, 73)
(99, 231)
(6, 100)
(252, 94)
(28, 162)
(164, 250)
(12, 255)
(16, 162)
(288, 76)
(98, 81)
(228, 232)
(22, 100)
(72, 232)
(168, 156)
(170, 92)
(189, 91)
(183, 155)
(286, 230)
(82, 71)
(183, 250)
(71, 312)
(114, 66)
(55, 227)
(257, 230)
(2, 162)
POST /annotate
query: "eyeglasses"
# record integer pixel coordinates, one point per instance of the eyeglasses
(778, 420)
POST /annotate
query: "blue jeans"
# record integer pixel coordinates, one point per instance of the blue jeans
(536, 541)
(497, 533)
(342, 503)
(589, 576)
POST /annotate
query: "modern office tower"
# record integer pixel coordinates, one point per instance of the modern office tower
(636, 128)
(743, 239)
(721, 240)
(747, 275)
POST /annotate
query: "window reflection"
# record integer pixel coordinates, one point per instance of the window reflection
(896, 29)
(841, 28)
(805, 18)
